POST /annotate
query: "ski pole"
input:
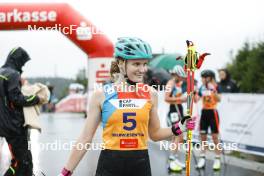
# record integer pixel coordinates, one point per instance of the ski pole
(192, 62)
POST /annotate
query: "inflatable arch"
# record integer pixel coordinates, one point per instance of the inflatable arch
(62, 17)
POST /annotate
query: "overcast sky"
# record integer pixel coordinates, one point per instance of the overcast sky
(215, 26)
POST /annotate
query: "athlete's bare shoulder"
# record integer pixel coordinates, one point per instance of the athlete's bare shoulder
(97, 96)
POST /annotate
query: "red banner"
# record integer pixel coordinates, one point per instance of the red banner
(56, 16)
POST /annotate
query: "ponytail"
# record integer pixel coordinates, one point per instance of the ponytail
(114, 69)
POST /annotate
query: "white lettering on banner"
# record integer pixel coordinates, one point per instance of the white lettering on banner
(25, 16)
(98, 71)
(103, 74)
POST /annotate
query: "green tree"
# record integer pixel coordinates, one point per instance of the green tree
(247, 68)
(81, 77)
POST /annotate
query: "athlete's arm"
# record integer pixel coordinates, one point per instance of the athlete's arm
(197, 95)
(91, 124)
(170, 99)
(156, 133)
(217, 94)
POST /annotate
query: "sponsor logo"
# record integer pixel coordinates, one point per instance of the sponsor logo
(84, 32)
(128, 143)
(128, 103)
(127, 134)
(25, 16)
(102, 74)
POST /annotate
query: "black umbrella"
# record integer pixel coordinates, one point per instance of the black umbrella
(157, 77)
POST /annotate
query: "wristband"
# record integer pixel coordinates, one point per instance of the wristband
(66, 172)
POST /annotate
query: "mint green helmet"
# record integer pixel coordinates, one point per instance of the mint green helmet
(178, 70)
(132, 48)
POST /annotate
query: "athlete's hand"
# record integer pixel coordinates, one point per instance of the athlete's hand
(190, 123)
(187, 123)
(211, 87)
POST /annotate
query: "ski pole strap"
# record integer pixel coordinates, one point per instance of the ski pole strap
(176, 129)
(185, 118)
(180, 127)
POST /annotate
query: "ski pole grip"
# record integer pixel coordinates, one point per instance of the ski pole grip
(185, 118)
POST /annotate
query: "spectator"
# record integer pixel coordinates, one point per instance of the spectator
(226, 84)
(11, 109)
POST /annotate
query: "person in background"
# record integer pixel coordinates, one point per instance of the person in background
(226, 84)
(52, 99)
(50, 106)
(210, 95)
(12, 118)
(175, 98)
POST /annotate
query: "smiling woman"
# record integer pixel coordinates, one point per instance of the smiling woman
(128, 117)
(133, 70)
